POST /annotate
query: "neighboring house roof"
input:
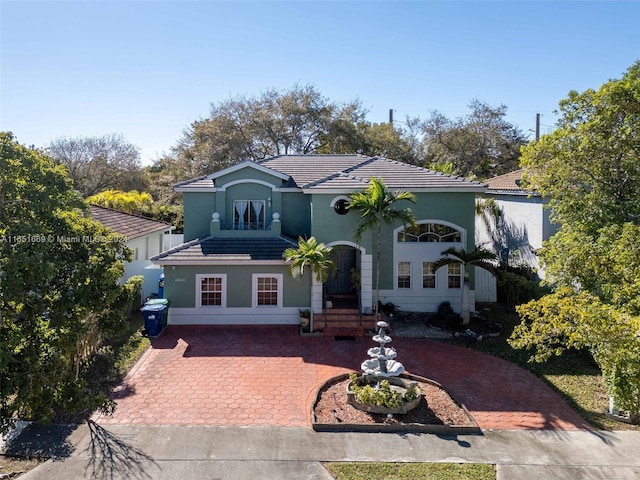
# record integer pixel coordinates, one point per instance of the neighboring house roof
(213, 250)
(508, 183)
(126, 224)
(342, 173)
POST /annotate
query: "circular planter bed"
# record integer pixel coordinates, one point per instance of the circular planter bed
(398, 384)
(436, 411)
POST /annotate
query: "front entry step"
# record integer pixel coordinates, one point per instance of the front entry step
(343, 321)
(344, 332)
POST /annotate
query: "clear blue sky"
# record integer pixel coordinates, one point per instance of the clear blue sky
(147, 69)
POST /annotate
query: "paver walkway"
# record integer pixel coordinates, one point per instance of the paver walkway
(268, 375)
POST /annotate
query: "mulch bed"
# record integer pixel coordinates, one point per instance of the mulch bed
(437, 411)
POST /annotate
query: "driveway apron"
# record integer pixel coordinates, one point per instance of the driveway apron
(268, 376)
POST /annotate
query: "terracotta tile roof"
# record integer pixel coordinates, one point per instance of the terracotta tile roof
(349, 172)
(226, 249)
(509, 182)
(127, 224)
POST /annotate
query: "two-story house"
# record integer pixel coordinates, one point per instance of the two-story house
(238, 221)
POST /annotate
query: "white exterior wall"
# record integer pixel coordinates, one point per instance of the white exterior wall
(170, 240)
(148, 270)
(486, 287)
(524, 212)
(529, 222)
(527, 215)
(144, 248)
(417, 298)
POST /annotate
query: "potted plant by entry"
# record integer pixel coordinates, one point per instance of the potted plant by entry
(305, 316)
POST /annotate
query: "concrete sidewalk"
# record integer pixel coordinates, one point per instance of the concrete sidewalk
(295, 453)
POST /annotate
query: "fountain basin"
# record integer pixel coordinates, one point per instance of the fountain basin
(389, 352)
(398, 384)
(383, 339)
(372, 367)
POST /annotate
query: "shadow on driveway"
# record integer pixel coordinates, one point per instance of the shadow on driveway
(110, 457)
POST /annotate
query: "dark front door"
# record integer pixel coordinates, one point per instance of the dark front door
(344, 260)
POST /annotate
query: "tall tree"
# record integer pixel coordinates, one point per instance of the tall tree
(590, 170)
(351, 133)
(99, 163)
(480, 145)
(589, 166)
(59, 289)
(377, 205)
(299, 120)
(391, 142)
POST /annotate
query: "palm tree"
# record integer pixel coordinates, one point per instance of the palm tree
(489, 211)
(376, 206)
(309, 253)
(480, 257)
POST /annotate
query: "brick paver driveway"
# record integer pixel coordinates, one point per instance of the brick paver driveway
(268, 375)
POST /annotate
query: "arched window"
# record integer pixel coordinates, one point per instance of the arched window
(429, 232)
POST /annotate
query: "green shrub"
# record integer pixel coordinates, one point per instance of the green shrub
(383, 396)
(514, 289)
(132, 294)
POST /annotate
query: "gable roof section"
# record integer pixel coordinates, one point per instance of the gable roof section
(343, 173)
(216, 250)
(126, 224)
(509, 183)
(208, 182)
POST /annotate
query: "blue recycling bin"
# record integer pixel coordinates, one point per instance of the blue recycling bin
(165, 314)
(153, 318)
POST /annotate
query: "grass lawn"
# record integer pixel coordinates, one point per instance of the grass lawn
(411, 471)
(12, 467)
(574, 375)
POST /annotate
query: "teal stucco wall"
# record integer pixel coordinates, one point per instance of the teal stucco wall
(198, 208)
(180, 286)
(328, 226)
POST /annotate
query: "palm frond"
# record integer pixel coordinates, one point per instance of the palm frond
(309, 253)
(480, 257)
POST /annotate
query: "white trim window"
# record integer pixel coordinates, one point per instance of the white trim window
(454, 275)
(211, 290)
(248, 215)
(267, 289)
(404, 274)
(428, 275)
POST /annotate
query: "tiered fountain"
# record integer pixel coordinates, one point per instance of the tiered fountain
(381, 363)
(379, 367)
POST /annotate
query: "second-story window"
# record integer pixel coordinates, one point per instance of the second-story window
(248, 215)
